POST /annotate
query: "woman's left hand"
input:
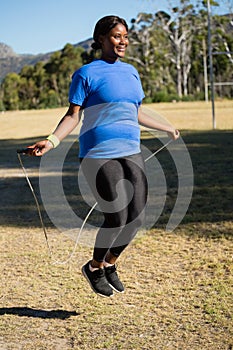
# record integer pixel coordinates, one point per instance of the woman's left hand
(174, 134)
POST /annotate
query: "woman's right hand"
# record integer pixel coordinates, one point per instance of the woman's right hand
(40, 148)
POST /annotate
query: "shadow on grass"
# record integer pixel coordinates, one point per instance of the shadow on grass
(37, 313)
(211, 154)
(17, 205)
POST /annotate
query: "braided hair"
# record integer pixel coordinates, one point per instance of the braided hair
(103, 26)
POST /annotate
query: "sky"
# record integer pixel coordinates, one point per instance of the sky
(40, 26)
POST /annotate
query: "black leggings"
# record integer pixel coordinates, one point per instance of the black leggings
(120, 188)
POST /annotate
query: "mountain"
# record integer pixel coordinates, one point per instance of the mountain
(6, 51)
(13, 62)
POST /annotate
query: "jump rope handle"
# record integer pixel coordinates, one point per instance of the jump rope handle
(25, 151)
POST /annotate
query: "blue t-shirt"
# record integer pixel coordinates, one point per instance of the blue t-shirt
(110, 95)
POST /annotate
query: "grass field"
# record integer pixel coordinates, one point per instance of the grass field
(179, 285)
(185, 116)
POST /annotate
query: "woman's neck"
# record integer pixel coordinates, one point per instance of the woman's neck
(109, 59)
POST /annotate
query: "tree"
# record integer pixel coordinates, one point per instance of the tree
(59, 70)
(10, 91)
(169, 49)
(222, 47)
(148, 51)
(180, 29)
(223, 52)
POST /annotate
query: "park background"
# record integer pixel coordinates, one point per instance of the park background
(178, 284)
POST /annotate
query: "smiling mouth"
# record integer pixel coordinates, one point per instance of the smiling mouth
(121, 48)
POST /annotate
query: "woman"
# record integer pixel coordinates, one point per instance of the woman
(110, 93)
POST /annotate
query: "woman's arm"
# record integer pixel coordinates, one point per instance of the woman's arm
(149, 122)
(68, 122)
(64, 128)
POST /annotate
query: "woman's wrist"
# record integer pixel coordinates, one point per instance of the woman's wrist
(170, 129)
(54, 140)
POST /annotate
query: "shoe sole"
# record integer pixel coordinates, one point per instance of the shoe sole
(101, 295)
(116, 290)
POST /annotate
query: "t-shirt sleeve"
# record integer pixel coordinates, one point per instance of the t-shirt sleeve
(78, 89)
(142, 95)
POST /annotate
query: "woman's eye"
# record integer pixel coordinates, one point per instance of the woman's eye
(119, 37)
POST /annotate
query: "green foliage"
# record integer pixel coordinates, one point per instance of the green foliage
(44, 85)
(11, 94)
(169, 50)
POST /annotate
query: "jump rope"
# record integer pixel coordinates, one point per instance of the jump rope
(54, 261)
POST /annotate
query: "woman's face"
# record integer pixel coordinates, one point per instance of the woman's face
(114, 43)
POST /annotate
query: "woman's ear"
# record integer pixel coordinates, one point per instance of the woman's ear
(101, 39)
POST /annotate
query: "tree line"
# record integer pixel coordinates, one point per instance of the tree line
(169, 49)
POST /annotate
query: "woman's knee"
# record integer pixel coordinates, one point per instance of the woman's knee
(115, 220)
(137, 220)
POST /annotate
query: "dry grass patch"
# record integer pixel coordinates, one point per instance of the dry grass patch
(177, 296)
(184, 115)
(196, 115)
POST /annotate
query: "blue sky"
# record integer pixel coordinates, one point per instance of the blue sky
(39, 26)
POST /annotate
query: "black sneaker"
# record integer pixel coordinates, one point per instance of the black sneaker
(97, 281)
(113, 279)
